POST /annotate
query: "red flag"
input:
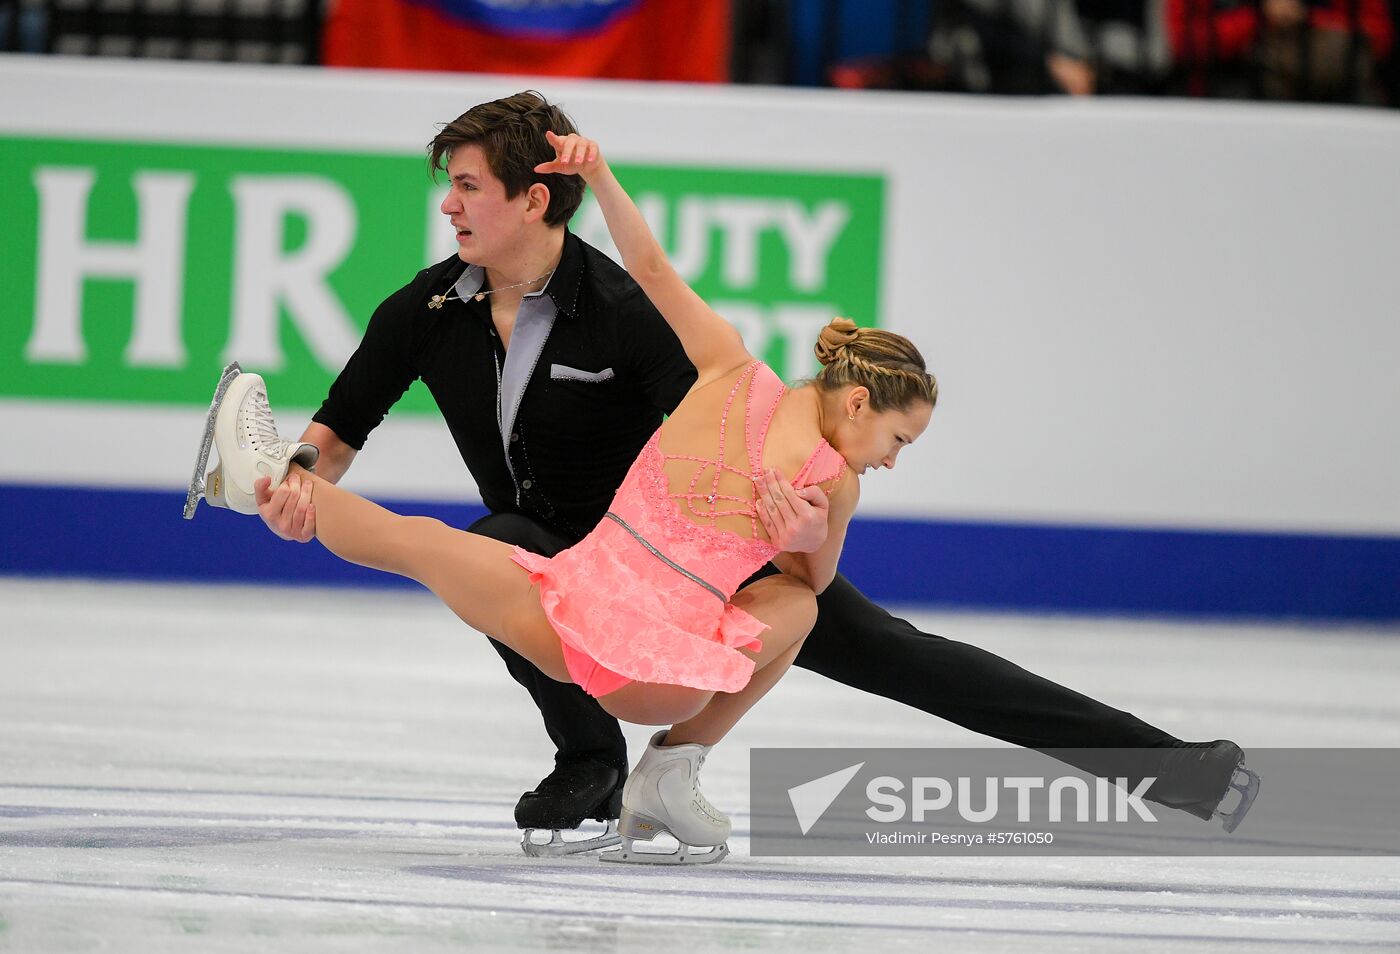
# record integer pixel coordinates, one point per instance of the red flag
(682, 40)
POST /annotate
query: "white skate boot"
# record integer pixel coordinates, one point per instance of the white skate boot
(240, 425)
(662, 795)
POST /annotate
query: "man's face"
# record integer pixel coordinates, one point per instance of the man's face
(489, 226)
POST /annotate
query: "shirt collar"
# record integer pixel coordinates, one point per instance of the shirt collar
(563, 286)
(567, 282)
(469, 282)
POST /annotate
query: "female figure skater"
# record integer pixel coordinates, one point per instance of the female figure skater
(645, 613)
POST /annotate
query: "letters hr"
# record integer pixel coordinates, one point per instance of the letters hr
(882, 791)
(266, 279)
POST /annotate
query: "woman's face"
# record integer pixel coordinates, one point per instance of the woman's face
(868, 438)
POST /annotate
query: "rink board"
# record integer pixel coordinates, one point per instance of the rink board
(139, 535)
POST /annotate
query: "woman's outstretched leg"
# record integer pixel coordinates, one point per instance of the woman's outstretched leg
(473, 575)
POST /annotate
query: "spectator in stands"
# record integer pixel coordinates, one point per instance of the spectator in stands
(23, 28)
(1077, 47)
(1281, 49)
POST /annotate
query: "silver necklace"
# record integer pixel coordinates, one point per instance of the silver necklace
(439, 300)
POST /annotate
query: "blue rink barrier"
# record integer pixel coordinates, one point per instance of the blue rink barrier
(139, 535)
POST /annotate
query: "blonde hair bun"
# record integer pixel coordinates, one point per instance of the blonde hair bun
(834, 339)
(884, 363)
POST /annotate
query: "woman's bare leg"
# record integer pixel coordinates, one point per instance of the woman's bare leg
(473, 575)
(789, 607)
(724, 711)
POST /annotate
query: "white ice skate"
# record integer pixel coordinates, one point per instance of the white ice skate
(240, 425)
(662, 796)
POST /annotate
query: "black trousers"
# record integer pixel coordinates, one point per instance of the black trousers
(861, 645)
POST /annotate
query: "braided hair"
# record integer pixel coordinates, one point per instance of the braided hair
(884, 363)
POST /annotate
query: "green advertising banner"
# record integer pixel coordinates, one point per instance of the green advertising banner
(133, 271)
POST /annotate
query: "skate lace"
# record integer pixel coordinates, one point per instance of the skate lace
(260, 426)
(701, 802)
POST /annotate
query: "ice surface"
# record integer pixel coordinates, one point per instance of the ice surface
(238, 769)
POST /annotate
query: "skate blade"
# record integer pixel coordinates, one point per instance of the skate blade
(630, 854)
(1248, 787)
(559, 847)
(201, 461)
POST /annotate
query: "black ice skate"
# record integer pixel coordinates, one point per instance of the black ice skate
(1198, 777)
(576, 791)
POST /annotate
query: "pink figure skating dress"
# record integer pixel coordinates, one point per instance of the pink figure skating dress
(645, 596)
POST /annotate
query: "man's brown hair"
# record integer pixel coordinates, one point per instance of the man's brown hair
(511, 132)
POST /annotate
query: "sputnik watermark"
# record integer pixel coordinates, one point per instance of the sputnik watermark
(1103, 802)
(928, 795)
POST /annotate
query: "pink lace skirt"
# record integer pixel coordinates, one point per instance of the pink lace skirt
(623, 616)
